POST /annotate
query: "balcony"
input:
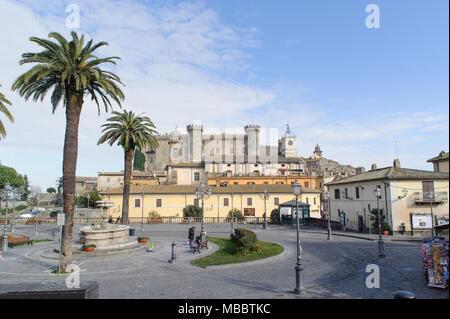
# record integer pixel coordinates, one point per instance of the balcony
(439, 197)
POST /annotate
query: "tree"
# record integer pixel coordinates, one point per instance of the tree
(275, 216)
(26, 188)
(237, 213)
(71, 70)
(5, 111)
(139, 161)
(130, 132)
(374, 219)
(192, 211)
(10, 175)
(51, 190)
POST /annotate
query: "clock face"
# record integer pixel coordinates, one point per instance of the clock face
(290, 143)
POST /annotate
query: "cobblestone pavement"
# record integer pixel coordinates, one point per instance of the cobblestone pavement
(332, 269)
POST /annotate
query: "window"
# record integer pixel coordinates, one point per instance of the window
(315, 201)
(118, 179)
(196, 202)
(137, 203)
(276, 201)
(368, 206)
(251, 183)
(266, 183)
(108, 180)
(337, 194)
(307, 184)
(307, 200)
(346, 193)
(226, 202)
(280, 183)
(357, 192)
(158, 202)
(196, 176)
(249, 201)
(236, 183)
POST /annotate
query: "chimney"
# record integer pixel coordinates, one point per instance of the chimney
(397, 163)
(374, 166)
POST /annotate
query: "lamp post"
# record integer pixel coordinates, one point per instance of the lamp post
(265, 196)
(431, 197)
(13, 221)
(202, 193)
(232, 213)
(36, 221)
(5, 235)
(381, 254)
(328, 213)
(297, 190)
(142, 214)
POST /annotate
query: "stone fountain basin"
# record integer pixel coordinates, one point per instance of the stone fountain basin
(104, 236)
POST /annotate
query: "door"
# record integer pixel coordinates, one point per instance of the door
(360, 224)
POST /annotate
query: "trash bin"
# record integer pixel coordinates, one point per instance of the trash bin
(131, 231)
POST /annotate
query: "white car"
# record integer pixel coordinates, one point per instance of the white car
(39, 209)
(28, 215)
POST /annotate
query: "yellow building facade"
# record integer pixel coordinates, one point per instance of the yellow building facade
(169, 200)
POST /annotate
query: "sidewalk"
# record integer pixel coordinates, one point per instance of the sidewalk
(371, 237)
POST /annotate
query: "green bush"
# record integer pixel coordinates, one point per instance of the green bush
(244, 240)
(374, 219)
(192, 211)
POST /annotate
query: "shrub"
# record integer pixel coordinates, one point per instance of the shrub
(21, 207)
(154, 215)
(374, 218)
(192, 211)
(244, 240)
(275, 216)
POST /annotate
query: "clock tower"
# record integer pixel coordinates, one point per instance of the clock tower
(287, 145)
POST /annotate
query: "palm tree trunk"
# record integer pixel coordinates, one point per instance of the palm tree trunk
(126, 184)
(73, 111)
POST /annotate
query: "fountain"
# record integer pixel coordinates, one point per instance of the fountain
(107, 237)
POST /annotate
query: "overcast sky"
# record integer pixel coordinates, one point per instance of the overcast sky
(227, 63)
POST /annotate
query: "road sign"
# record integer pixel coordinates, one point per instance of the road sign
(60, 219)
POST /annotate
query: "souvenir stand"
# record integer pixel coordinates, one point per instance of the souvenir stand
(435, 262)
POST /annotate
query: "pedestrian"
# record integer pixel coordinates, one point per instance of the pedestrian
(191, 236)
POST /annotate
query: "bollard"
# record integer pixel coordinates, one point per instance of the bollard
(173, 253)
(404, 295)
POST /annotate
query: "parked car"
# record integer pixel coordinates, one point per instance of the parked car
(27, 215)
(39, 209)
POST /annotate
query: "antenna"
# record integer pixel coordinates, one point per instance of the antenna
(396, 148)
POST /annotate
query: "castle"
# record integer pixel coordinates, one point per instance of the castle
(189, 158)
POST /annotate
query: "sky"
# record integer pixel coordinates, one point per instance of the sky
(365, 95)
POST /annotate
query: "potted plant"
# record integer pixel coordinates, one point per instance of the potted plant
(89, 247)
(143, 239)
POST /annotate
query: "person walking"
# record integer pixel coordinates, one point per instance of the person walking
(191, 235)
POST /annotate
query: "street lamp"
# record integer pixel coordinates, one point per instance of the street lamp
(232, 213)
(142, 214)
(297, 190)
(265, 196)
(377, 192)
(202, 193)
(5, 235)
(327, 193)
(431, 198)
(13, 222)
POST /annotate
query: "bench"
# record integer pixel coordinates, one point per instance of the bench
(199, 245)
(18, 240)
(33, 221)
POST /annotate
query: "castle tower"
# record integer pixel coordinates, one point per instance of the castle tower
(195, 132)
(252, 142)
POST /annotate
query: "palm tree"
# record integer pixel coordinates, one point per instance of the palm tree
(129, 131)
(72, 71)
(5, 111)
